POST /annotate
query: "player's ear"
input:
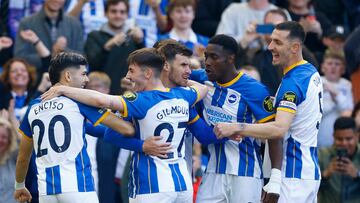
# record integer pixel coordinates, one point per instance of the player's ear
(166, 66)
(295, 47)
(67, 76)
(148, 72)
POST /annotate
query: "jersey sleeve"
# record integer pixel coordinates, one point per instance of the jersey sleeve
(25, 128)
(95, 131)
(190, 94)
(129, 143)
(288, 97)
(94, 115)
(199, 76)
(135, 105)
(260, 103)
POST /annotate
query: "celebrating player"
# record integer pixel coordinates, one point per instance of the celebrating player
(157, 112)
(235, 168)
(55, 129)
(298, 114)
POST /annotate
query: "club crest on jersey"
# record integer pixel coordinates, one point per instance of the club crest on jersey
(130, 96)
(232, 99)
(290, 97)
(268, 104)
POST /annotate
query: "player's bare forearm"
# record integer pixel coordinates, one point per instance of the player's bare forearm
(271, 130)
(23, 159)
(85, 96)
(276, 152)
(202, 89)
(119, 125)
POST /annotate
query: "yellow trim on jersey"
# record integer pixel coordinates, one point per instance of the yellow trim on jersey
(197, 95)
(194, 120)
(24, 135)
(166, 89)
(302, 62)
(125, 111)
(102, 118)
(231, 81)
(266, 119)
(286, 109)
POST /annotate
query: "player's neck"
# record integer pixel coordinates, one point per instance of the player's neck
(293, 60)
(165, 80)
(155, 84)
(229, 76)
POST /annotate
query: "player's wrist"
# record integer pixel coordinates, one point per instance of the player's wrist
(241, 127)
(274, 184)
(19, 186)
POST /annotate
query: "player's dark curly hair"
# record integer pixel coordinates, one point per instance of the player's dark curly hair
(62, 61)
(228, 43)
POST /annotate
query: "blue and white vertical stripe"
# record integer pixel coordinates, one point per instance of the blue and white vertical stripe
(300, 161)
(151, 175)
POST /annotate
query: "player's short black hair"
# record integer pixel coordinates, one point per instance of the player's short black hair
(343, 123)
(228, 43)
(296, 31)
(147, 58)
(62, 61)
(169, 48)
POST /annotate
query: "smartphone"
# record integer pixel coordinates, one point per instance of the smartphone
(340, 153)
(264, 28)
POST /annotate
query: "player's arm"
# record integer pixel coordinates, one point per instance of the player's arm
(203, 133)
(271, 130)
(200, 89)
(85, 96)
(118, 124)
(22, 165)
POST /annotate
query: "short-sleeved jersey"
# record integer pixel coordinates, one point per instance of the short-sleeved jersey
(300, 92)
(57, 128)
(243, 100)
(163, 114)
(145, 18)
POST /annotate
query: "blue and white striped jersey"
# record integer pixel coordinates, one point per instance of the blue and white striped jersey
(145, 18)
(300, 92)
(161, 114)
(57, 128)
(242, 100)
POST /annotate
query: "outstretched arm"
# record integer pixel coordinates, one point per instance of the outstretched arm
(85, 96)
(271, 130)
(201, 89)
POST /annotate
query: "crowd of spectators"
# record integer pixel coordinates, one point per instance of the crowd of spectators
(107, 31)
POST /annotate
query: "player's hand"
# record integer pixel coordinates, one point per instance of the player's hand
(236, 138)
(271, 191)
(153, 147)
(153, 3)
(22, 195)
(127, 85)
(222, 130)
(269, 197)
(346, 167)
(53, 92)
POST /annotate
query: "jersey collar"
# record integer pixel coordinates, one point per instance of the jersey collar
(231, 82)
(289, 68)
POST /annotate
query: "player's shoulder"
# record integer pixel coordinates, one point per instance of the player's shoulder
(250, 87)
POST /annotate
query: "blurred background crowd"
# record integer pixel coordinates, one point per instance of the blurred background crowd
(107, 31)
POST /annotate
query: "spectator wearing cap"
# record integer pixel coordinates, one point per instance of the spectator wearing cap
(334, 38)
(337, 96)
(340, 165)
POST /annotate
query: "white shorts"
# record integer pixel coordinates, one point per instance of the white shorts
(216, 188)
(298, 190)
(70, 197)
(164, 197)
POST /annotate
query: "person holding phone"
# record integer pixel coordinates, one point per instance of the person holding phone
(340, 164)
